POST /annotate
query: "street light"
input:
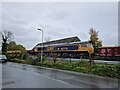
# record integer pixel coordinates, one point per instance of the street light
(42, 44)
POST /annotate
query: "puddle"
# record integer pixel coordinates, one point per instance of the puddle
(8, 82)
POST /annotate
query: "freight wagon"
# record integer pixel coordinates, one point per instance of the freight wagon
(110, 53)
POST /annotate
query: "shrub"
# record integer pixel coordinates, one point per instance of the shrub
(23, 61)
(82, 63)
(39, 63)
(81, 66)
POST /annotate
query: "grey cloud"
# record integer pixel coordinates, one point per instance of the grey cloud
(59, 20)
(58, 15)
(110, 40)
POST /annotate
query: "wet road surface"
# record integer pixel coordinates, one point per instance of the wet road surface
(27, 76)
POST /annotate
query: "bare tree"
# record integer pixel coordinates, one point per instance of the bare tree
(6, 37)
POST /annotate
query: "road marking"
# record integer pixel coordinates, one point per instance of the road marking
(51, 78)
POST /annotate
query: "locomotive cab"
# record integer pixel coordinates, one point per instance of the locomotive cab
(86, 46)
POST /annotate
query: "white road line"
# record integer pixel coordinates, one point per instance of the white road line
(51, 78)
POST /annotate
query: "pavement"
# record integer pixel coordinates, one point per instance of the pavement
(16, 75)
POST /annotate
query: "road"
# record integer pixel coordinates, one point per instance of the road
(16, 75)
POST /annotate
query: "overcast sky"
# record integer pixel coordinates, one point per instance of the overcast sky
(60, 20)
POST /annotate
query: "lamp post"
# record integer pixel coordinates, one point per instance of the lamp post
(42, 44)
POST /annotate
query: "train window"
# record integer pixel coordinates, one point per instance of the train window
(90, 45)
(50, 48)
(58, 48)
(39, 49)
(84, 44)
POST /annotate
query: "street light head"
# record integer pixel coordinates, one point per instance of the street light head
(39, 29)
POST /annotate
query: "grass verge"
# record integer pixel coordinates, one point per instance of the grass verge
(107, 70)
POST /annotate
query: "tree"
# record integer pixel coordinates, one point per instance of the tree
(95, 40)
(20, 47)
(12, 46)
(16, 51)
(6, 37)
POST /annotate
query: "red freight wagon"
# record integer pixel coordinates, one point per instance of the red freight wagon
(111, 53)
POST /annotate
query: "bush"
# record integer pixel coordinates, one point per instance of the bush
(106, 70)
(81, 66)
(25, 56)
(81, 63)
(60, 66)
(39, 63)
(23, 61)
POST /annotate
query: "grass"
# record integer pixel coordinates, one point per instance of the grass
(107, 70)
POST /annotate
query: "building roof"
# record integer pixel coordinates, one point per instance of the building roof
(64, 40)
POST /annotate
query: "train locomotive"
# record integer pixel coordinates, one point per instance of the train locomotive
(66, 50)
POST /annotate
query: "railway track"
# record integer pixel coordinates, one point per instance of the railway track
(96, 61)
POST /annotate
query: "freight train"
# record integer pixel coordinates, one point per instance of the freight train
(109, 53)
(65, 50)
